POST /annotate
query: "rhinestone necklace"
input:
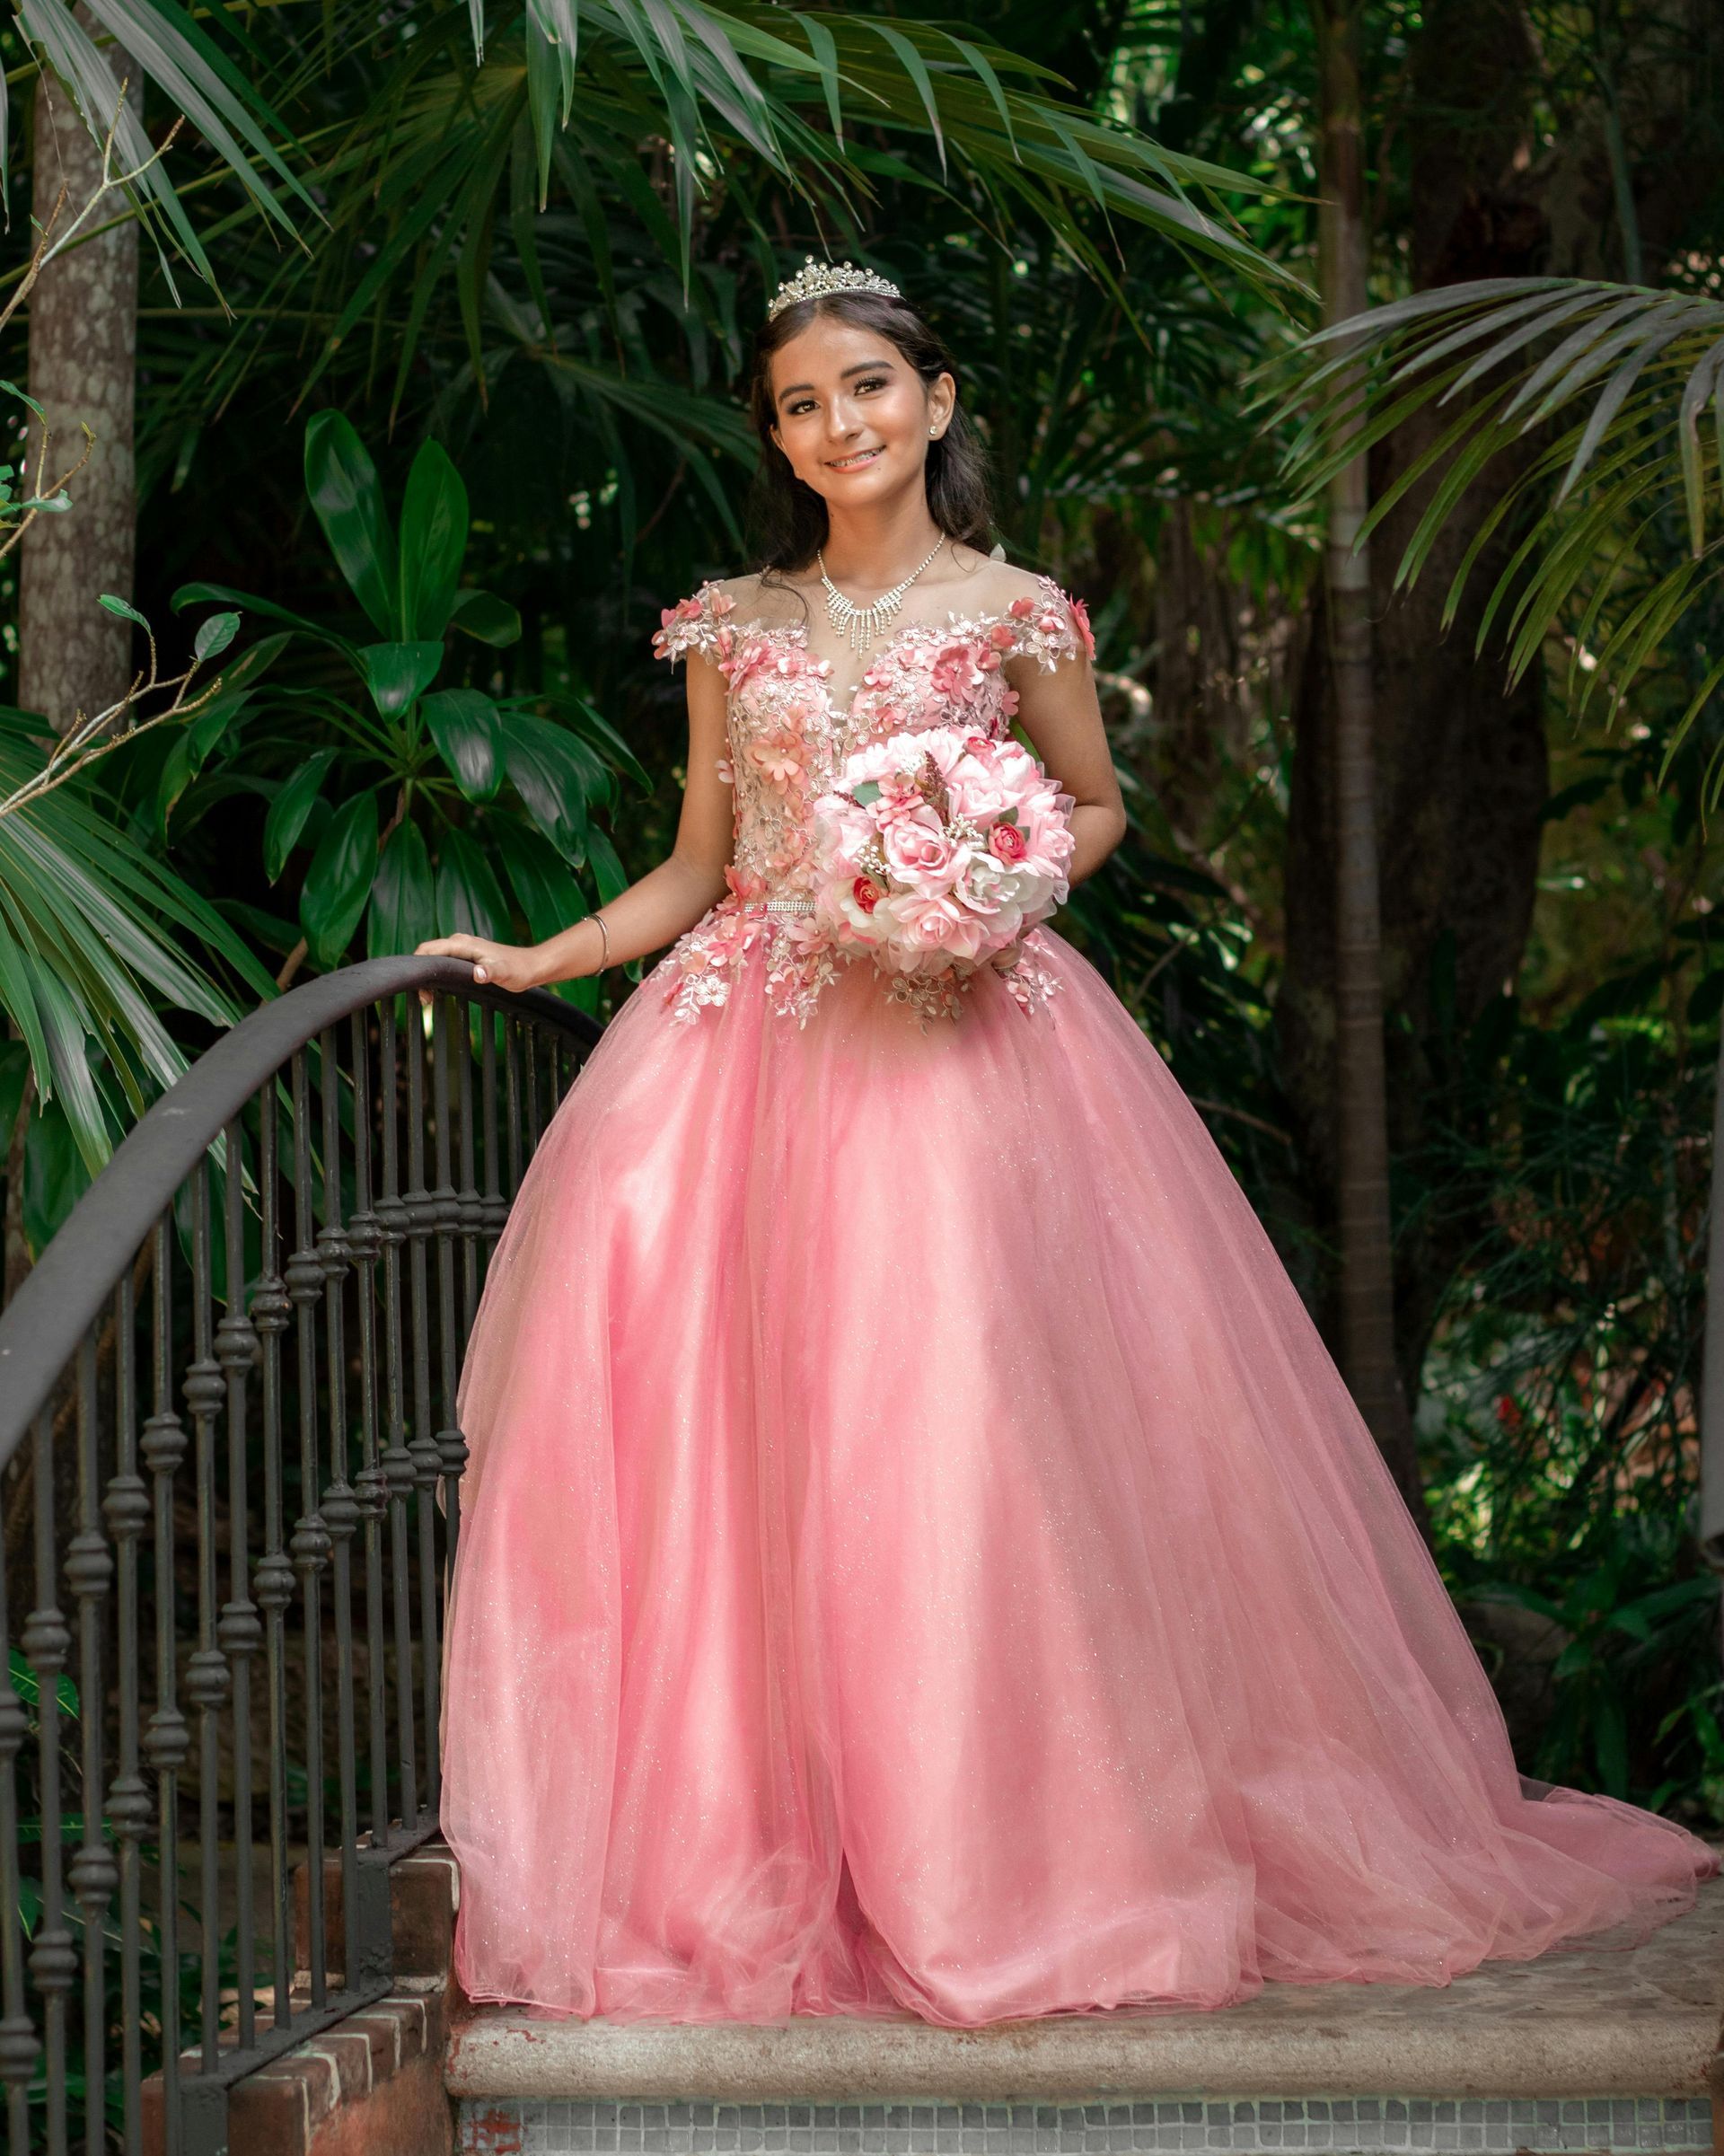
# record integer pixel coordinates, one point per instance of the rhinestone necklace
(862, 624)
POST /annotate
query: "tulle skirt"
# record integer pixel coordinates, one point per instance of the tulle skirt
(916, 1557)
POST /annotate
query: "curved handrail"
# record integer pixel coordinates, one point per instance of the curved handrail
(71, 1282)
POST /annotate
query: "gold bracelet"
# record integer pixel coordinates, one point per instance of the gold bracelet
(604, 956)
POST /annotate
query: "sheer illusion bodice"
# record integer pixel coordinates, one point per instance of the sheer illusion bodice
(790, 735)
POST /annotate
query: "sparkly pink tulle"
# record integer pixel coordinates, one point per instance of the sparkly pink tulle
(917, 1556)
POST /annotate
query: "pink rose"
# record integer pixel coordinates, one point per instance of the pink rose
(867, 893)
(919, 850)
(1006, 842)
(939, 924)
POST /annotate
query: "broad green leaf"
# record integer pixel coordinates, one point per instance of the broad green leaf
(608, 871)
(194, 594)
(214, 635)
(125, 610)
(339, 881)
(604, 737)
(486, 617)
(397, 674)
(469, 899)
(543, 882)
(347, 499)
(187, 757)
(402, 911)
(465, 725)
(289, 810)
(14, 1069)
(434, 541)
(556, 776)
(56, 1175)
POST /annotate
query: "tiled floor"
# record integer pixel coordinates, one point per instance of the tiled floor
(1346, 2126)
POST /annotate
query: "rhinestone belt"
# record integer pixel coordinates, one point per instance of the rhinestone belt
(778, 905)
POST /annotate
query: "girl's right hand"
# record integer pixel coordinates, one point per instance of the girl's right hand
(502, 964)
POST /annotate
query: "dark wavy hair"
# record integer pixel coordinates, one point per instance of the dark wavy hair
(787, 518)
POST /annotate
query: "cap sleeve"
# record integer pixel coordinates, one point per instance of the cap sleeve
(1051, 626)
(694, 624)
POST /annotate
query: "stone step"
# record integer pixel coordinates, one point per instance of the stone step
(1588, 2049)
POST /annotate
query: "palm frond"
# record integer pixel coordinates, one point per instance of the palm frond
(1611, 383)
(88, 949)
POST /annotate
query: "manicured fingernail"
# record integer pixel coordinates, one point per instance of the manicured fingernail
(479, 973)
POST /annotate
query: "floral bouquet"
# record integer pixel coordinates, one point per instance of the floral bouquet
(937, 852)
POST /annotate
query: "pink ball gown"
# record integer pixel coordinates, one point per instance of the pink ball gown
(917, 1556)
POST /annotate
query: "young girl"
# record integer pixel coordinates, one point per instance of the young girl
(916, 1555)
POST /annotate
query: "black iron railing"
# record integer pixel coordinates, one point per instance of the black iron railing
(227, 1417)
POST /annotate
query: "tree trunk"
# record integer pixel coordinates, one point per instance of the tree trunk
(1366, 1279)
(73, 654)
(1461, 763)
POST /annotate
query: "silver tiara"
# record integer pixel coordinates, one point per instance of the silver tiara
(814, 280)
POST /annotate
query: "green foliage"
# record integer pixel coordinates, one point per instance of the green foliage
(88, 944)
(408, 797)
(1612, 383)
(1561, 1384)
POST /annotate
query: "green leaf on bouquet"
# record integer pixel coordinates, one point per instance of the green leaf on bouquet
(867, 794)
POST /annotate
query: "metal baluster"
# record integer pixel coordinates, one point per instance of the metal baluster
(398, 1462)
(127, 1510)
(530, 1052)
(421, 1215)
(47, 1638)
(167, 1740)
(369, 1488)
(496, 1206)
(18, 2046)
(92, 1873)
(339, 1507)
(206, 1681)
(273, 1581)
(240, 1631)
(512, 1097)
(311, 1541)
(471, 1206)
(452, 1446)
